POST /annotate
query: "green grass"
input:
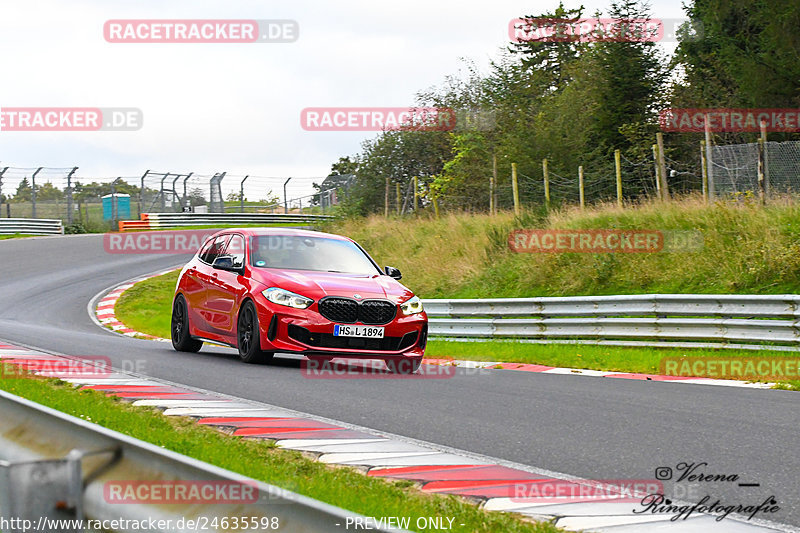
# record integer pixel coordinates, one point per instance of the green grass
(147, 307)
(14, 236)
(340, 486)
(642, 360)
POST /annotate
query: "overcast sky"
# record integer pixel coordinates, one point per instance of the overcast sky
(236, 107)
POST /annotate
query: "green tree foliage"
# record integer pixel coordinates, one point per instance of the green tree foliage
(575, 101)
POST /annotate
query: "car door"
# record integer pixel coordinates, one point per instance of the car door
(194, 288)
(225, 290)
(206, 277)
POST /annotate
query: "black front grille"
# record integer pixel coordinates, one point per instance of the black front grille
(345, 310)
(377, 312)
(327, 340)
(339, 309)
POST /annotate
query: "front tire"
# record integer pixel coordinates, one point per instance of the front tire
(248, 336)
(182, 341)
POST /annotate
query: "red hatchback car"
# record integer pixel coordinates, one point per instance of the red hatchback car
(280, 290)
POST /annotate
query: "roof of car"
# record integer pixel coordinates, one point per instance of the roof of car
(257, 232)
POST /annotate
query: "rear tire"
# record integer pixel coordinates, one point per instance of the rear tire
(403, 365)
(248, 336)
(182, 341)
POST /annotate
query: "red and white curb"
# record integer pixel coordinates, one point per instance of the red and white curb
(492, 484)
(104, 313)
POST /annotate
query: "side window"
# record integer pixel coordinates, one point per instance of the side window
(215, 250)
(236, 249)
(205, 249)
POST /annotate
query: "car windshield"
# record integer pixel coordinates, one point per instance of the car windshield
(310, 253)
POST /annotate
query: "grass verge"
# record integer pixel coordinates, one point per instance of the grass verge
(15, 236)
(147, 307)
(340, 486)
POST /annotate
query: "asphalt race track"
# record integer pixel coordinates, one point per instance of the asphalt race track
(596, 428)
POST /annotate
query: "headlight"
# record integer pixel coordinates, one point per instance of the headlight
(287, 298)
(412, 306)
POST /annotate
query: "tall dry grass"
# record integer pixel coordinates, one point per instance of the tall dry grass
(747, 248)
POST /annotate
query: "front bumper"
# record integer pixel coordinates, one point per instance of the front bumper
(305, 331)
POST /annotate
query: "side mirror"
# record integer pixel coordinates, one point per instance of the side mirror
(225, 262)
(392, 272)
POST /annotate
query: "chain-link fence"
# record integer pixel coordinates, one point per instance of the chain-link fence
(735, 168)
(97, 203)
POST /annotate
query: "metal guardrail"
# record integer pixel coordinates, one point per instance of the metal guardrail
(178, 220)
(690, 317)
(56, 467)
(31, 226)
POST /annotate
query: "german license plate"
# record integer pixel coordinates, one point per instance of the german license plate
(369, 332)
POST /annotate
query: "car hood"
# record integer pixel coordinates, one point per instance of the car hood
(317, 285)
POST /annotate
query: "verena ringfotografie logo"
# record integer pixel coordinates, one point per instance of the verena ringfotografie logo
(730, 120)
(180, 492)
(378, 118)
(313, 368)
(71, 119)
(156, 242)
(548, 29)
(599, 241)
(201, 31)
(584, 490)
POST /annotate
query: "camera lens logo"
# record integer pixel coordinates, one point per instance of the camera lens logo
(663, 473)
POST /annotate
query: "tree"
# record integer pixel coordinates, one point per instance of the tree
(24, 191)
(196, 197)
